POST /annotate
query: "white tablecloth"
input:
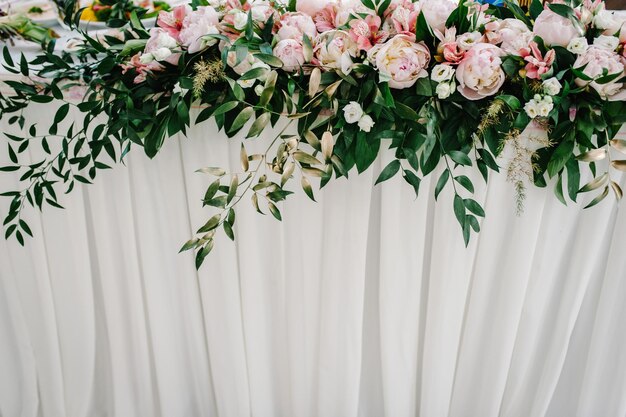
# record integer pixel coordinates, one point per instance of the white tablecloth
(365, 304)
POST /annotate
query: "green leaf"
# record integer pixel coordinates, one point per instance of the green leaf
(228, 229)
(189, 245)
(225, 108)
(536, 7)
(270, 60)
(598, 198)
(254, 73)
(25, 228)
(443, 179)
(412, 179)
(389, 171)
(465, 182)
(211, 224)
(560, 157)
(406, 112)
(511, 101)
(459, 209)
(558, 190)
(203, 253)
(573, 178)
(474, 207)
(241, 119)
(306, 186)
(460, 158)
(258, 125)
(274, 210)
(61, 113)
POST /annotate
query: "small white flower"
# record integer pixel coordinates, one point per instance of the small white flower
(551, 86)
(577, 45)
(445, 90)
(537, 98)
(531, 109)
(544, 108)
(246, 83)
(467, 40)
(442, 72)
(609, 43)
(259, 89)
(366, 123)
(240, 21)
(353, 112)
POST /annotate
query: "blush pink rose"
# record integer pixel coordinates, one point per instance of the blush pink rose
(295, 25)
(554, 29)
(595, 62)
(291, 52)
(480, 73)
(401, 61)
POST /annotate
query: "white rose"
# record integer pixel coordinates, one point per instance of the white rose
(146, 58)
(334, 50)
(531, 109)
(551, 86)
(445, 90)
(467, 40)
(366, 123)
(161, 54)
(240, 21)
(609, 43)
(442, 72)
(577, 45)
(604, 20)
(353, 112)
(246, 83)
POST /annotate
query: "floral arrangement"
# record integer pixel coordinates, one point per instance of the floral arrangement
(440, 83)
(116, 13)
(20, 26)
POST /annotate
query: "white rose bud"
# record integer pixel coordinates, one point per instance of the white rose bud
(146, 58)
(445, 90)
(366, 123)
(259, 89)
(609, 43)
(577, 45)
(442, 72)
(352, 112)
(551, 86)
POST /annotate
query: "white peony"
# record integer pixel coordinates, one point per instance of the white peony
(240, 20)
(610, 43)
(353, 112)
(436, 12)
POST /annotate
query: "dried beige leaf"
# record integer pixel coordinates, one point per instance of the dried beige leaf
(287, 172)
(593, 155)
(314, 81)
(327, 144)
(621, 165)
(617, 190)
(243, 155)
(619, 145)
(595, 183)
(312, 140)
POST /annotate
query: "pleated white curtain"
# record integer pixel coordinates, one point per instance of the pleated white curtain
(365, 304)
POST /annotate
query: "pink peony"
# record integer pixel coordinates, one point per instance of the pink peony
(479, 73)
(172, 22)
(366, 32)
(595, 62)
(334, 50)
(291, 52)
(436, 12)
(554, 29)
(160, 46)
(295, 25)
(537, 65)
(197, 24)
(310, 7)
(401, 61)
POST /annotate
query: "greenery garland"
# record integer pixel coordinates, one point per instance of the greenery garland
(432, 80)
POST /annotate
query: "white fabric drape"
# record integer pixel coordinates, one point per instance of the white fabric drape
(365, 304)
